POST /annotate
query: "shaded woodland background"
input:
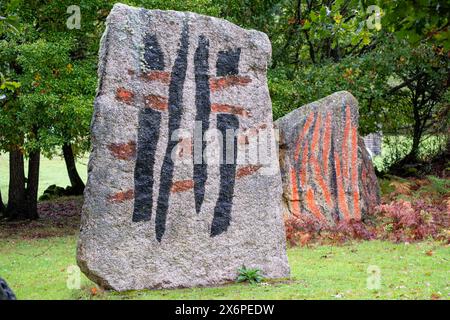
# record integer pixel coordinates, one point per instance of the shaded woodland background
(393, 56)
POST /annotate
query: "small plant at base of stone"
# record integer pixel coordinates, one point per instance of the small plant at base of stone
(249, 274)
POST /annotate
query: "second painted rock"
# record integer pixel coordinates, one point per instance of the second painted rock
(326, 170)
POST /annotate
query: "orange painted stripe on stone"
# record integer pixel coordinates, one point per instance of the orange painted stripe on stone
(295, 198)
(345, 150)
(342, 203)
(304, 167)
(123, 151)
(182, 185)
(124, 95)
(247, 170)
(121, 196)
(312, 206)
(326, 144)
(156, 102)
(227, 108)
(157, 75)
(315, 163)
(320, 180)
(221, 83)
(302, 134)
(355, 173)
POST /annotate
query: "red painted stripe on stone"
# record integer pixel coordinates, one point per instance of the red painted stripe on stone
(295, 198)
(227, 108)
(157, 75)
(182, 185)
(302, 134)
(121, 196)
(185, 185)
(243, 137)
(124, 95)
(355, 174)
(123, 151)
(156, 102)
(247, 170)
(221, 83)
(342, 203)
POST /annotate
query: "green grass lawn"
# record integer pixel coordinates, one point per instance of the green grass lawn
(34, 259)
(37, 269)
(52, 171)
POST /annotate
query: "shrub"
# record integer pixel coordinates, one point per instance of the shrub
(402, 221)
(302, 230)
(399, 220)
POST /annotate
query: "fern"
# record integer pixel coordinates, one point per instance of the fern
(442, 186)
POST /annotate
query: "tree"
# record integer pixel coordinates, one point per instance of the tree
(423, 74)
(33, 115)
(320, 47)
(7, 24)
(52, 109)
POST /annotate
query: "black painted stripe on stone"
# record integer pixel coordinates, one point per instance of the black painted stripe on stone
(297, 163)
(148, 136)
(222, 210)
(175, 103)
(153, 55)
(333, 180)
(203, 106)
(228, 62)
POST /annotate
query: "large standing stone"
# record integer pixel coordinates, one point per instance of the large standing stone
(152, 218)
(326, 170)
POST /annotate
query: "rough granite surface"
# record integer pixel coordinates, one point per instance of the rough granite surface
(149, 221)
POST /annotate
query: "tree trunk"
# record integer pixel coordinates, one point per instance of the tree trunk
(413, 154)
(417, 136)
(16, 192)
(2, 206)
(33, 185)
(75, 180)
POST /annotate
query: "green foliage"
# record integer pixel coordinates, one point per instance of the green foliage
(7, 24)
(441, 186)
(396, 147)
(6, 85)
(418, 20)
(56, 67)
(319, 47)
(250, 275)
